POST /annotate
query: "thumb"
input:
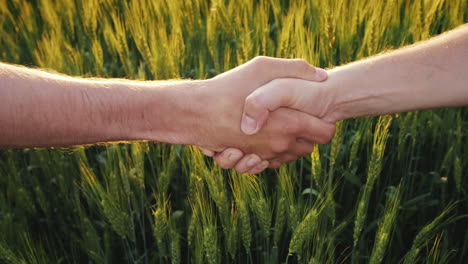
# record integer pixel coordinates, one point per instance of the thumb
(207, 152)
(269, 97)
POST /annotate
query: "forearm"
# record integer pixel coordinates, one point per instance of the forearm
(426, 75)
(40, 109)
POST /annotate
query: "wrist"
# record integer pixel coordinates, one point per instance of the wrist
(331, 99)
(344, 99)
(166, 112)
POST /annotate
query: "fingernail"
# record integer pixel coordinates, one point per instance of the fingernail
(321, 73)
(233, 156)
(251, 162)
(249, 125)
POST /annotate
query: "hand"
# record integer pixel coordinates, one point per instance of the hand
(383, 84)
(304, 96)
(287, 134)
(298, 94)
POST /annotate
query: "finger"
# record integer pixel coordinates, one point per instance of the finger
(298, 124)
(302, 147)
(261, 102)
(274, 164)
(315, 130)
(247, 163)
(228, 158)
(260, 167)
(306, 126)
(271, 96)
(274, 68)
(286, 158)
(207, 152)
(265, 69)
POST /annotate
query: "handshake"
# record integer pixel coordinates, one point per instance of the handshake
(261, 114)
(270, 111)
(265, 112)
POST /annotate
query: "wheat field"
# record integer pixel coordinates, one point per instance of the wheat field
(390, 189)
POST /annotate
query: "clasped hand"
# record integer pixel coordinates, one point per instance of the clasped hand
(262, 116)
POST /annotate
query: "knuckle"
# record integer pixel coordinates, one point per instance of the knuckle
(240, 168)
(260, 60)
(302, 62)
(223, 162)
(254, 159)
(310, 150)
(304, 66)
(330, 133)
(275, 164)
(325, 140)
(305, 150)
(254, 100)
